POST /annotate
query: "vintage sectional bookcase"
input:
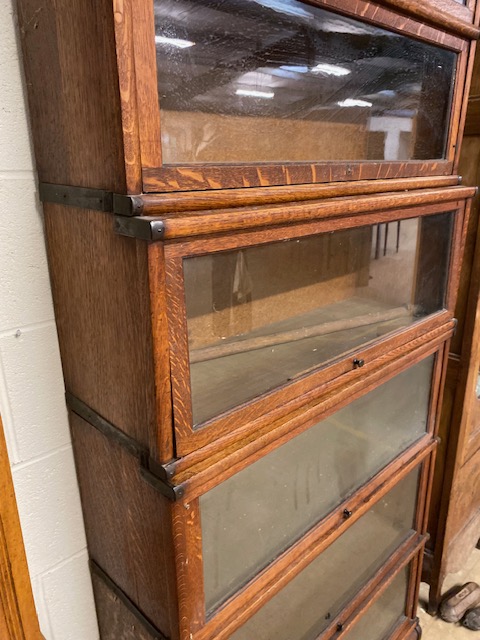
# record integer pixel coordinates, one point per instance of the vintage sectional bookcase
(254, 226)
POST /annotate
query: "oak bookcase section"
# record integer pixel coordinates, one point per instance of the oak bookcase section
(254, 223)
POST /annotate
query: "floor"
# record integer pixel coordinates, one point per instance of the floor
(437, 629)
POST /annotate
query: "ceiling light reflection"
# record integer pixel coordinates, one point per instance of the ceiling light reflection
(330, 69)
(254, 94)
(174, 42)
(350, 102)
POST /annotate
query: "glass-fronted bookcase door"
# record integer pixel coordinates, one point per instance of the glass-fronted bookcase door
(253, 94)
(262, 322)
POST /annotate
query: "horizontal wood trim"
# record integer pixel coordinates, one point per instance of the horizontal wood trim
(205, 468)
(168, 203)
(289, 564)
(201, 177)
(443, 14)
(224, 221)
(415, 19)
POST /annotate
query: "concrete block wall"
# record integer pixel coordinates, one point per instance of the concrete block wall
(31, 386)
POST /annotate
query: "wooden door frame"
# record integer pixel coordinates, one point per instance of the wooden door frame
(18, 617)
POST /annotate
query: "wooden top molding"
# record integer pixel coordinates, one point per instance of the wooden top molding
(449, 15)
(192, 224)
(159, 204)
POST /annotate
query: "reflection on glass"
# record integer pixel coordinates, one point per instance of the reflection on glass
(262, 316)
(282, 80)
(306, 606)
(259, 512)
(477, 387)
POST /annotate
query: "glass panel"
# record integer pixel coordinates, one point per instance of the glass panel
(252, 517)
(385, 614)
(284, 81)
(262, 316)
(305, 607)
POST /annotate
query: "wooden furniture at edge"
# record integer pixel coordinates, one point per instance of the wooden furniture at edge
(18, 617)
(253, 342)
(454, 523)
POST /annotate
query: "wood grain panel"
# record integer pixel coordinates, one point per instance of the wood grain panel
(18, 618)
(100, 289)
(128, 525)
(232, 177)
(75, 107)
(123, 21)
(222, 221)
(168, 203)
(116, 620)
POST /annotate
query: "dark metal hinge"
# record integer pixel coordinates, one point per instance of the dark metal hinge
(84, 198)
(170, 491)
(142, 228)
(87, 198)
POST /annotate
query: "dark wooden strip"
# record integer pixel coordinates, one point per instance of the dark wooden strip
(115, 623)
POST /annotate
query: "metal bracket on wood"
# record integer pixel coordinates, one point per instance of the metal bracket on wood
(170, 491)
(142, 228)
(156, 474)
(129, 604)
(81, 197)
(86, 198)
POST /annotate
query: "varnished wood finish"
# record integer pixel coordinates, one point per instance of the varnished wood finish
(123, 24)
(98, 283)
(120, 309)
(169, 203)
(128, 525)
(74, 107)
(214, 177)
(204, 468)
(143, 35)
(165, 441)
(18, 618)
(192, 224)
(441, 13)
